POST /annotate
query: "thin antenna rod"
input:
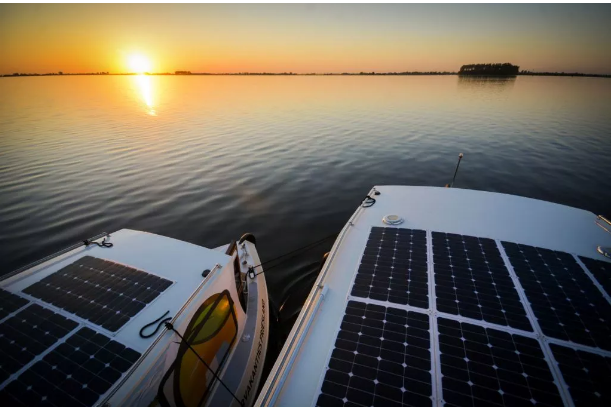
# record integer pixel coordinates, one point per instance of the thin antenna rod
(456, 171)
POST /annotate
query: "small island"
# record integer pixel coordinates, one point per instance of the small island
(505, 69)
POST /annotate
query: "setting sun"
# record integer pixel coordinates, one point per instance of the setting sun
(139, 64)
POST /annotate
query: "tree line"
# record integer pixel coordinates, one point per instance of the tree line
(505, 69)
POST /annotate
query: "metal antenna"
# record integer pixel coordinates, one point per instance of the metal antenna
(455, 172)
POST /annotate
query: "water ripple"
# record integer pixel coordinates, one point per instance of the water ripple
(287, 159)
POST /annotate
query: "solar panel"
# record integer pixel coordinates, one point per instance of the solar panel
(484, 347)
(103, 292)
(472, 280)
(601, 270)
(566, 302)
(27, 334)
(394, 267)
(483, 366)
(587, 375)
(382, 357)
(76, 373)
(10, 303)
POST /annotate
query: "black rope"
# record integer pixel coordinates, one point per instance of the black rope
(103, 244)
(368, 202)
(159, 325)
(251, 270)
(171, 327)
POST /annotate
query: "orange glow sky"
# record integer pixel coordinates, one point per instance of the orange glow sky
(303, 38)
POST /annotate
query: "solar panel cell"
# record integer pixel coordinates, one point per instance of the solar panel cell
(10, 303)
(472, 280)
(566, 302)
(601, 270)
(587, 375)
(483, 366)
(394, 267)
(77, 372)
(28, 334)
(103, 292)
(382, 357)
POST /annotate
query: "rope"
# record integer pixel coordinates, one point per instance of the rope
(103, 244)
(171, 327)
(251, 270)
(368, 202)
(142, 335)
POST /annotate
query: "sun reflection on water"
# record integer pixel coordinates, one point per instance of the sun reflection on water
(145, 88)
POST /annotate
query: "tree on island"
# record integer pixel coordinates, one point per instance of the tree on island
(505, 69)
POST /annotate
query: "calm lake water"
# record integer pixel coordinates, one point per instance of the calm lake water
(207, 158)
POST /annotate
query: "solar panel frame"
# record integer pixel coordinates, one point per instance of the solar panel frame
(78, 371)
(497, 299)
(10, 303)
(600, 273)
(491, 359)
(103, 292)
(536, 296)
(535, 335)
(27, 334)
(585, 374)
(394, 264)
(370, 320)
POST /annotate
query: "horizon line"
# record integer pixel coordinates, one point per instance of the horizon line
(360, 73)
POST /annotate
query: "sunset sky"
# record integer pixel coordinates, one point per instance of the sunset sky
(302, 38)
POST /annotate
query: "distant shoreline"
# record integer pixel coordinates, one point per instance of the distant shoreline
(525, 73)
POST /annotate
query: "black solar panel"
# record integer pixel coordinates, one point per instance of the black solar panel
(472, 280)
(601, 270)
(565, 301)
(490, 367)
(103, 292)
(394, 267)
(76, 373)
(587, 375)
(27, 334)
(382, 357)
(10, 303)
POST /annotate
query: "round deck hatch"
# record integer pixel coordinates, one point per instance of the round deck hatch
(392, 219)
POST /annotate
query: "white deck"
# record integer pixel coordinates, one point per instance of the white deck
(467, 212)
(171, 259)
